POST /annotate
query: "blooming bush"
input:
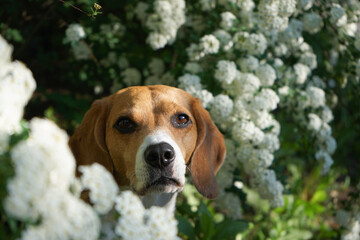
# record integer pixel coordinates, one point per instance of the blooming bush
(279, 78)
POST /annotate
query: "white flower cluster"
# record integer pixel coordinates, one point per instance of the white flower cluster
(251, 43)
(44, 188)
(44, 170)
(73, 34)
(208, 44)
(164, 22)
(136, 222)
(251, 125)
(155, 74)
(351, 222)
(102, 186)
(192, 84)
(16, 87)
(275, 13)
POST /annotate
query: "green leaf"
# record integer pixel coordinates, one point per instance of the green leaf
(206, 222)
(228, 229)
(318, 197)
(185, 227)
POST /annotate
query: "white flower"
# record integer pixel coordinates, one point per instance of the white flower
(261, 118)
(227, 20)
(81, 51)
(205, 97)
(306, 4)
(246, 131)
(102, 186)
(267, 99)
(190, 83)
(350, 29)
(16, 87)
(326, 114)
(221, 108)
(302, 72)
(325, 159)
(156, 66)
(264, 180)
(225, 39)
(248, 64)
(156, 40)
(266, 75)
(244, 83)
(312, 22)
(309, 59)
(207, 5)
(316, 96)
(75, 32)
(315, 122)
(293, 32)
(225, 71)
(131, 76)
(6, 51)
(137, 223)
(209, 44)
(193, 68)
(287, 8)
(270, 142)
(338, 15)
(141, 11)
(253, 44)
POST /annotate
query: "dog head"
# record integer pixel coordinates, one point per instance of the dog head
(147, 136)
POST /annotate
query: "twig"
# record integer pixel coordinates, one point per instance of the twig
(74, 7)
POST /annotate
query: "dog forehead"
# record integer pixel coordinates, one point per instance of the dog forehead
(156, 99)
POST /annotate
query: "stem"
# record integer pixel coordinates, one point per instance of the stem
(74, 7)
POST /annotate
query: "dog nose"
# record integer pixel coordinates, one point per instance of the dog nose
(159, 155)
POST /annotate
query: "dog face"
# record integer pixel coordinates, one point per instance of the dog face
(148, 136)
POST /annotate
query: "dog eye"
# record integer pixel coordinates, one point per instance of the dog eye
(180, 120)
(125, 125)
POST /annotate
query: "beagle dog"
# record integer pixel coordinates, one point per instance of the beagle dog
(147, 136)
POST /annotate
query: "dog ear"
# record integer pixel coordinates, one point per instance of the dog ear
(88, 142)
(209, 152)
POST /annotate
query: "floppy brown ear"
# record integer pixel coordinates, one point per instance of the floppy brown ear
(88, 142)
(209, 152)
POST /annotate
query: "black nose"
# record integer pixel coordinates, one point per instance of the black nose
(159, 155)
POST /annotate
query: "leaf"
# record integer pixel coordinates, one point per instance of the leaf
(185, 227)
(206, 222)
(318, 197)
(228, 229)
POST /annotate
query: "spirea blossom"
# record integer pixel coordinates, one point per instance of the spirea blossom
(221, 108)
(224, 38)
(338, 15)
(253, 44)
(227, 20)
(302, 72)
(167, 18)
(248, 64)
(102, 186)
(16, 87)
(139, 223)
(225, 71)
(44, 170)
(75, 32)
(266, 75)
(209, 44)
(5, 50)
(312, 22)
(131, 76)
(316, 96)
